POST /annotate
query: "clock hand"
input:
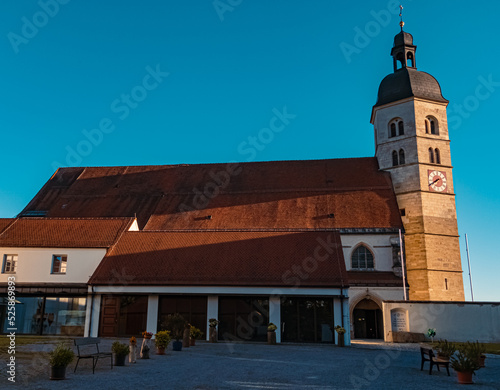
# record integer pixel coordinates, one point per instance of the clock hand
(434, 182)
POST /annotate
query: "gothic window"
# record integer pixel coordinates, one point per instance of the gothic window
(438, 156)
(396, 127)
(395, 158)
(431, 156)
(362, 258)
(426, 126)
(401, 157)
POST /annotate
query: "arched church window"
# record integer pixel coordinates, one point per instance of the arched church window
(438, 156)
(401, 157)
(362, 258)
(431, 125)
(431, 156)
(393, 130)
(396, 127)
(394, 158)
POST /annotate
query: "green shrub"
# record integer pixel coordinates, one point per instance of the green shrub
(162, 339)
(61, 356)
(445, 348)
(120, 349)
(467, 358)
(175, 323)
(196, 333)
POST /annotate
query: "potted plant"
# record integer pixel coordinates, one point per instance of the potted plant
(465, 362)
(445, 349)
(212, 336)
(121, 351)
(195, 333)
(132, 356)
(162, 339)
(271, 333)
(145, 344)
(479, 349)
(340, 332)
(60, 357)
(175, 323)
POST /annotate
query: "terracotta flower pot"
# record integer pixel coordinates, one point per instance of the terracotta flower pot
(160, 350)
(464, 377)
(192, 342)
(271, 338)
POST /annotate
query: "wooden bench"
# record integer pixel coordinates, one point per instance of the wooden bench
(84, 351)
(427, 355)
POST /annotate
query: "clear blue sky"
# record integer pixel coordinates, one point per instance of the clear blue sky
(227, 70)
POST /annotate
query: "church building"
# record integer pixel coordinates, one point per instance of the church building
(306, 245)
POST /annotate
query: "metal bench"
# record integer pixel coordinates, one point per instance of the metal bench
(85, 353)
(427, 355)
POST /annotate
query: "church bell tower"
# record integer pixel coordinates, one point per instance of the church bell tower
(412, 143)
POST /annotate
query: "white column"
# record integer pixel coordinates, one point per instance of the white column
(96, 310)
(212, 311)
(152, 319)
(87, 316)
(275, 315)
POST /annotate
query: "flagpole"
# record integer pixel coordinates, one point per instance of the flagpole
(403, 265)
(468, 261)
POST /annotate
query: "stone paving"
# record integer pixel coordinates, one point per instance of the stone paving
(259, 366)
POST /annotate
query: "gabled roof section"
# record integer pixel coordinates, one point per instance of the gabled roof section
(64, 232)
(5, 222)
(224, 259)
(258, 195)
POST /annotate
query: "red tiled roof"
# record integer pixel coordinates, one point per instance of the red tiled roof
(4, 222)
(258, 195)
(374, 278)
(64, 232)
(215, 258)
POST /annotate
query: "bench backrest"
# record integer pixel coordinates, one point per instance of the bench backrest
(427, 351)
(87, 341)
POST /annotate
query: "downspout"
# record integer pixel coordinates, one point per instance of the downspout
(91, 311)
(342, 305)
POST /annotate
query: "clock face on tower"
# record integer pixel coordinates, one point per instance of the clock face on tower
(437, 181)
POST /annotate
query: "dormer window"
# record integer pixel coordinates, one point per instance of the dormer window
(396, 127)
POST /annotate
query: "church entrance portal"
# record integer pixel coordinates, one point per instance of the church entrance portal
(367, 320)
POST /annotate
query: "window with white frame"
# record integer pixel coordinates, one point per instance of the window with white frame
(59, 264)
(362, 258)
(9, 264)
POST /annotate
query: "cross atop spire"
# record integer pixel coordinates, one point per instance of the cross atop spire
(401, 23)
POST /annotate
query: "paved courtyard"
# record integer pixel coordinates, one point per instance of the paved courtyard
(257, 366)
